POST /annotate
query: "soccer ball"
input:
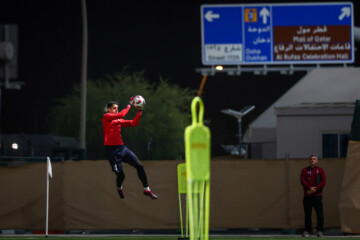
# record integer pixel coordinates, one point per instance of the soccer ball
(139, 102)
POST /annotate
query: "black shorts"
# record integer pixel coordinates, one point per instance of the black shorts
(118, 154)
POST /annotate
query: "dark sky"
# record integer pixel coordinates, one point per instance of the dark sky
(161, 37)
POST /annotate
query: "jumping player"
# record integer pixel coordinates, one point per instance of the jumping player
(116, 151)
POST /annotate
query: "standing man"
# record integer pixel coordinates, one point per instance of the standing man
(116, 151)
(313, 180)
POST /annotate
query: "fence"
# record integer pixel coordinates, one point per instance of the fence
(244, 194)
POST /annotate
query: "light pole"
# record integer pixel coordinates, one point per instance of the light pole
(239, 115)
(82, 143)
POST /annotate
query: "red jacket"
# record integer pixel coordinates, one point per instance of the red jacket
(112, 123)
(313, 177)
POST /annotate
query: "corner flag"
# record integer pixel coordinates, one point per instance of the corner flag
(48, 174)
(49, 168)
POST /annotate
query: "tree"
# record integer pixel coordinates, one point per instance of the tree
(165, 116)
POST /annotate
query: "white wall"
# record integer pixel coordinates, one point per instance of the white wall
(300, 134)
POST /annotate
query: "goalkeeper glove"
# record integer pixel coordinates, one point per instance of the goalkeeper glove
(131, 101)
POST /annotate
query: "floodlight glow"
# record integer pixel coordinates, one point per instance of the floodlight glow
(14, 146)
(219, 68)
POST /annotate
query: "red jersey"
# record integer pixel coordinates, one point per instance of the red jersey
(313, 177)
(112, 123)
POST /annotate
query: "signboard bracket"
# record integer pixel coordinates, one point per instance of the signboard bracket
(237, 70)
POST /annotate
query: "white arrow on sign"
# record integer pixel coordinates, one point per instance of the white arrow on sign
(210, 16)
(345, 12)
(264, 13)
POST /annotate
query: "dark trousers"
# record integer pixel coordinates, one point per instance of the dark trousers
(119, 154)
(316, 203)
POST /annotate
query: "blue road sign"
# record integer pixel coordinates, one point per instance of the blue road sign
(277, 33)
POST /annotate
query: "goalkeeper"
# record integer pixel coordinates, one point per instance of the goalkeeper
(116, 151)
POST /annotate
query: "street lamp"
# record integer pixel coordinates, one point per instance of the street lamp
(238, 115)
(219, 68)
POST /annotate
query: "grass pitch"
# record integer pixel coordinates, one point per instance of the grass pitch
(65, 237)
